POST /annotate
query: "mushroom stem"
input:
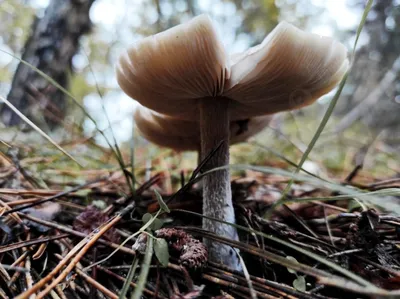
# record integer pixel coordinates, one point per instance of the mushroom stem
(217, 194)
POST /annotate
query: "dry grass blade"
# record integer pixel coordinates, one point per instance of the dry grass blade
(76, 233)
(97, 285)
(22, 244)
(78, 251)
(51, 198)
(247, 276)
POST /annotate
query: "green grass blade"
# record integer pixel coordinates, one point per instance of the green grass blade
(283, 158)
(312, 255)
(117, 151)
(371, 197)
(129, 279)
(66, 92)
(144, 271)
(29, 122)
(326, 117)
(311, 145)
(132, 156)
(361, 25)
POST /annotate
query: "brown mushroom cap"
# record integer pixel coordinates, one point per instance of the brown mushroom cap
(170, 71)
(290, 69)
(183, 135)
(166, 72)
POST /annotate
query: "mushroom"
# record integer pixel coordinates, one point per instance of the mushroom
(185, 74)
(184, 135)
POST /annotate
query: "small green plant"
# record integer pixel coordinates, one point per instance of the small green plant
(158, 246)
(155, 224)
(300, 282)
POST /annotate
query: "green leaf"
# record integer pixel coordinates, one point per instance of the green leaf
(161, 251)
(161, 202)
(353, 205)
(146, 218)
(291, 258)
(300, 283)
(100, 204)
(157, 224)
(83, 192)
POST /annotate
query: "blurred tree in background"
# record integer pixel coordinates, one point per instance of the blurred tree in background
(373, 91)
(53, 41)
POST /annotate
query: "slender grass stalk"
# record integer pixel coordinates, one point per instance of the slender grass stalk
(116, 152)
(129, 279)
(351, 192)
(326, 117)
(29, 122)
(312, 255)
(144, 270)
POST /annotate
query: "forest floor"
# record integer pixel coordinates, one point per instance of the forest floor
(94, 234)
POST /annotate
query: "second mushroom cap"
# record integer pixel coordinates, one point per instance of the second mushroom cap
(182, 135)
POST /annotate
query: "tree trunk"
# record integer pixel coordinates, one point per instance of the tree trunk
(374, 74)
(50, 48)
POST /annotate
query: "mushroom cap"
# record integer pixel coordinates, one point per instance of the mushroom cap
(166, 72)
(183, 135)
(172, 70)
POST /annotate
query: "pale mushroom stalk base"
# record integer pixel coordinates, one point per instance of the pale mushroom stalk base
(217, 195)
